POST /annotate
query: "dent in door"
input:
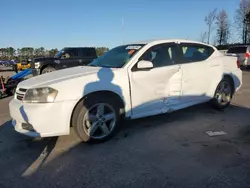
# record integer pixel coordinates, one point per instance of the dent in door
(174, 89)
(159, 86)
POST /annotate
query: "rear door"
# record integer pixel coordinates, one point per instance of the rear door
(87, 56)
(197, 71)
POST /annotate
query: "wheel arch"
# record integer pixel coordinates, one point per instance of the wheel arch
(230, 78)
(217, 81)
(105, 93)
(46, 65)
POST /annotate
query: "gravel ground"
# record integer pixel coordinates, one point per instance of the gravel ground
(163, 151)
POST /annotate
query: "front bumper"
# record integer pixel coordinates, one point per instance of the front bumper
(46, 120)
(35, 72)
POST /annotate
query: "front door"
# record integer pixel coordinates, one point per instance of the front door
(152, 91)
(196, 72)
(71, 58)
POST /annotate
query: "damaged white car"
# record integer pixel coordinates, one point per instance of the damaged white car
(130, 81)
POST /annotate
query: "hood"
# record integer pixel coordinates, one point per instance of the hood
(58, 76)
(44, 59)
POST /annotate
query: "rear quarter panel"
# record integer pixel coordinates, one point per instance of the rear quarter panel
(227, 66)
(230, 68)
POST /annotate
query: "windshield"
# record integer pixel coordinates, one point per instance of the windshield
(59, 54)
(117, 57)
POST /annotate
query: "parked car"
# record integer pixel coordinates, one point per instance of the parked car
(130, 81)
(65, 58)
(6, 63)
(22, 65)
(243, 54)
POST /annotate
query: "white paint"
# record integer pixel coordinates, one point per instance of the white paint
(144, 93)
(216, 133)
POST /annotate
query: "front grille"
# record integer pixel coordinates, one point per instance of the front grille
(20, 92)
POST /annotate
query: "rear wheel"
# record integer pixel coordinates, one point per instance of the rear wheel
(48, 69)
(223, 94)
(96, 118)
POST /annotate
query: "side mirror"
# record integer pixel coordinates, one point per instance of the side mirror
(145, 64)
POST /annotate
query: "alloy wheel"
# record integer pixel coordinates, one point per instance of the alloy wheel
(223, 93)
(99, 121)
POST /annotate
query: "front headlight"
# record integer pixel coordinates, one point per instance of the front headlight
(40, 95)
(37, 65)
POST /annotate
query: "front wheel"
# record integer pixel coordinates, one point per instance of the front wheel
(48, 69)
(223, 94)
(96, 118)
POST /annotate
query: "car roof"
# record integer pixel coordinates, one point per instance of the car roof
(239, 45)
(79, 47)
(158, 41)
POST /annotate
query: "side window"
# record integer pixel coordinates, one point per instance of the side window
(72, 53)
(88, 52)
(195, 53)
(160, 55)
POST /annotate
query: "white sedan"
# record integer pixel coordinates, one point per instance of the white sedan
(130, 81)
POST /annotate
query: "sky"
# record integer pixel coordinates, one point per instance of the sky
(61, 23)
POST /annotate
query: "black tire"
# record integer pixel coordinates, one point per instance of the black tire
(10, 92)
(83, 108)
(224, 104)
(48, 69)
(1, 94)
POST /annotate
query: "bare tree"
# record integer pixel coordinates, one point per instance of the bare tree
(203, 37)
(210, 19)
(239, 20)
(223, 31)
(247, 28)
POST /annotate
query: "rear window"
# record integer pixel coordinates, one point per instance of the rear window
(195, 53)
(237, 50)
